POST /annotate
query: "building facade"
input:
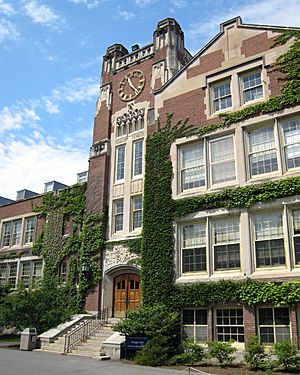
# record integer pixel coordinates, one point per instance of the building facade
(262, 242)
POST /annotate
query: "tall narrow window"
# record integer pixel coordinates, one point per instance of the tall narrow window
(226, 244)
(262, 151)
(291, 135)
(3, 273)
(251, 85)
(194, 248)
(12, 273)
(137, 212)
(37, 266)
(194, 324)
(221, 96)
(222, 160)
(6, 233)
(269, 244)
(118, 215)
(138, 158)
(16, 235)
(25, 273)
(296, 233)
(29, 229)
(120, 162)
(192, 167)
(273, 324)
(230, 325)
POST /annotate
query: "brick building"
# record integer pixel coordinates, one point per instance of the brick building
(230, 73)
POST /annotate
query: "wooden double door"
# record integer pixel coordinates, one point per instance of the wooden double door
(127, 294)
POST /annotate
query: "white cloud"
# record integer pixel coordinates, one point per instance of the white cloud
(16, 118)
(6, 8)
(274, 12)
(8, 31)
(51, 107)
(143, 3)
(126, 15)
(90, 4)
(43, 162)
(178, 3)
(42, 14)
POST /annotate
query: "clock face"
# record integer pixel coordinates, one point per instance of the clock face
(131, 85)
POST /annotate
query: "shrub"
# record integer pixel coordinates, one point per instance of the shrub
(155, 353)
(192, 353)
(255, 354)
(222, 351)
(286, 353)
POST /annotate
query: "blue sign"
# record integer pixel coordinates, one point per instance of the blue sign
(134, 343)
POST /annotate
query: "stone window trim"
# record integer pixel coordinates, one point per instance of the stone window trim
(235, 75)
(199, 247)
(215, 165)
(137, 158)
(118, 215)
(18, 231)
(28, 270)
(136, 212)
(120, 161)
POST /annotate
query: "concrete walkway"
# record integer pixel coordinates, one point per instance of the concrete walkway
(16, 362)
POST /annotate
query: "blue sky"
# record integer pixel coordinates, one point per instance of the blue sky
(50, 61)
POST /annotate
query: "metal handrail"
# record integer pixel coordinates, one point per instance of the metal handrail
(85, 329)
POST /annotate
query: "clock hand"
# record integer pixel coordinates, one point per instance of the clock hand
(132, 86)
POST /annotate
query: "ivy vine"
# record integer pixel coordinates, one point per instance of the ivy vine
(160, 209)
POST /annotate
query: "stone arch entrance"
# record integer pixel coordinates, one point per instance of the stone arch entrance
(122, 289)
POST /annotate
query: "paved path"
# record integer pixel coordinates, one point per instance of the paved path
(16, 362)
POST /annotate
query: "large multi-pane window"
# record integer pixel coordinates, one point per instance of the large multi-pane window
(18, 232)
(291, 139)
(221, 96)
(230, 325)
(273, 324)
(269, 243)
(118, 215)
(120, 162)
(222, 160)
(192, 166)
(137, 211)
(27, 272)
(296, 235)
(194, 248)
(138, 158)
(226, 233)
(262, 151)
(251, 86)
(194, 324)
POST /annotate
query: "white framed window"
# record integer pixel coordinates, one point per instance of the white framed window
(262, 151)
(194, 248)
(229, 325)
(63, 271)
(269, 243)
(222, 160)
(8, 273)
(120, 162)
(194, 324)
(291, 143)
(19, 232)
(118, 208)
(25, 273)
(36, 271)
(138, 157)
(29, 230)
(192, 166)
(221, 96)
(251, 86)
(137, 212)
(273, 324)
(226, 243)
(296, 235)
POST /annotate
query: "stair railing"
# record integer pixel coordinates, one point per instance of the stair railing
(85, 329)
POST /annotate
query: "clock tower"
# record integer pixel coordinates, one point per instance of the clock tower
(124, 116)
